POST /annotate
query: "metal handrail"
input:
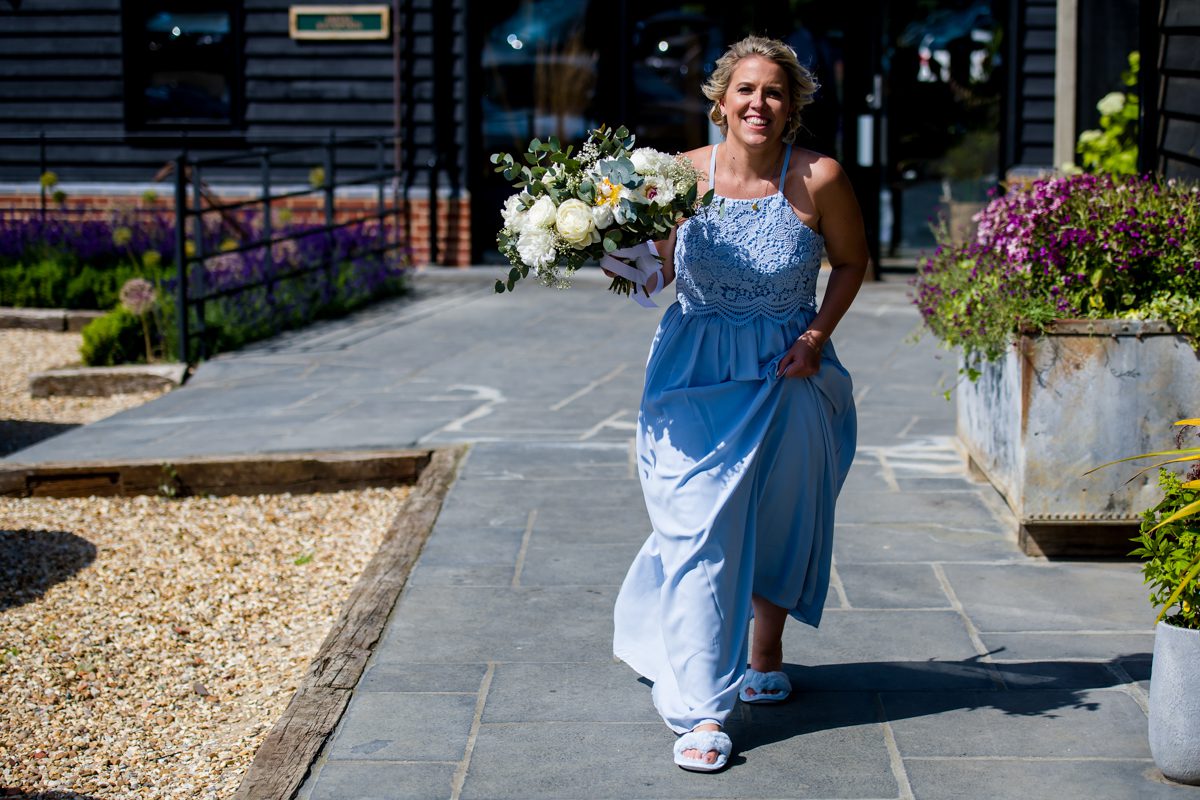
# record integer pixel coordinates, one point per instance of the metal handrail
(193, 295)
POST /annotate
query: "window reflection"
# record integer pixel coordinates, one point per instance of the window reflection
(185, 68)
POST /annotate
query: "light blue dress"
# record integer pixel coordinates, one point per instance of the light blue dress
(740, 469)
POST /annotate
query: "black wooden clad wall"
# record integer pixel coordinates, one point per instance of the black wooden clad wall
(60, 66)
(61, 71)
(1178, 132)
(1029, 115)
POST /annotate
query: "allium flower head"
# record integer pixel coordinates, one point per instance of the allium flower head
(137, 295)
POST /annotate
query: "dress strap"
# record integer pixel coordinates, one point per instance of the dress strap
(787, 154)
(712, 170)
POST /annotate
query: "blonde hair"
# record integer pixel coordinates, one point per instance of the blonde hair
(801, 82)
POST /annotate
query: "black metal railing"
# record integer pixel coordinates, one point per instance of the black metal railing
(191, 290)
(275, 175)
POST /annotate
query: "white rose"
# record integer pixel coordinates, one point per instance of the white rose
(541, 213)
(1111, 103)
(602, 216)
(536, 247)
(575, 224)
(512, 213)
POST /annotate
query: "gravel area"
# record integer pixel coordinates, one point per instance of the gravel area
(25, 420)
(148, 644)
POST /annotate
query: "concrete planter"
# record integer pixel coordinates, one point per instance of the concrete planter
(1175, 703)
(1088, 392)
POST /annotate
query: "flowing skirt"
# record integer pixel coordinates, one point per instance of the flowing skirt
(740, 471)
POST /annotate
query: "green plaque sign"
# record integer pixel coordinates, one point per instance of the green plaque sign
(339, 22)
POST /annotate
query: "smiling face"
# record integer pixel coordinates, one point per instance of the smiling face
(756, 104)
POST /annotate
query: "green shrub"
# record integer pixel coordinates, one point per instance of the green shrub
(1170, 552)
(116, 338)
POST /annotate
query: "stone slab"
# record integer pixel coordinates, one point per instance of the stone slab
(860, 543)
(830, 759)
(391, 726)
(960, 509)
(381, 780)
(581, 693)
(892, 586)
(1059, 596)
(105, 381)
(547, 461)
(1052, 723)
(423, 678)
(1026, 779)
(849, 636)
(453, 624)
(1102, 645)
(47, 319)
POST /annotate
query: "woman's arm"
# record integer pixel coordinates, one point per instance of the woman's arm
(846, 244)
(666, 251)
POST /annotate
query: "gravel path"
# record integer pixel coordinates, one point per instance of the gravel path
(147, 645)
(25, 420)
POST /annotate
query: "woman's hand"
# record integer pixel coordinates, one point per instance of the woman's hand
(803, 358)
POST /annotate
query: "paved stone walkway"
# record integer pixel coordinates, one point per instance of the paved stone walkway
(949, 665)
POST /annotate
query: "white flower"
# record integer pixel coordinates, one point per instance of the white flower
(540, 214)
(1111, 103)
(602, 216)
(575, 224)
(513, 213)
(656, 190)
(536, 247)
(648, 161)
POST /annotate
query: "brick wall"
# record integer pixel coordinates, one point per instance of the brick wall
(453, 216)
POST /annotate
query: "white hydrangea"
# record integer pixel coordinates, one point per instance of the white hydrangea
(648, 161)
(1111, 103)
(536, 246)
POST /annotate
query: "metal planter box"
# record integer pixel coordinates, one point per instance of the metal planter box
(1087, 392)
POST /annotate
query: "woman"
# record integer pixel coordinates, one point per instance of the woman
(747, 426)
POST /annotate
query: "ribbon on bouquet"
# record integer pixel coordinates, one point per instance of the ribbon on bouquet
(643, 263)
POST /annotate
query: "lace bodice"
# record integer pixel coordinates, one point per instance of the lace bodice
(744, 259)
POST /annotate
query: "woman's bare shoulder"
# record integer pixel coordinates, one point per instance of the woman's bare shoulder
(699, 157)
(819, 170)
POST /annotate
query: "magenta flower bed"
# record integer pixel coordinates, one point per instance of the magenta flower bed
(1067, 247)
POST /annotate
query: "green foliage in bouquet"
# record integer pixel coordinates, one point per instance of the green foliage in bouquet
(571, 208)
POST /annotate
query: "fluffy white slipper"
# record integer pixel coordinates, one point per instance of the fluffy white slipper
(704, 741)
(769, 687)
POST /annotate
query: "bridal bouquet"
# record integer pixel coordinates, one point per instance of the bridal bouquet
(603, 204)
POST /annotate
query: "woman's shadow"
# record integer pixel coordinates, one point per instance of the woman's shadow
(835, 696)
(32, 561)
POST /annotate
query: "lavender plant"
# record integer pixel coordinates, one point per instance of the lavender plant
(1066, 247)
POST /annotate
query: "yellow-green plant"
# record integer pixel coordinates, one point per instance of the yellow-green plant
(1170, 546)
(1113, 148)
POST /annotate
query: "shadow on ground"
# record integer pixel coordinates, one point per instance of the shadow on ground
(17, 434)
(33, 561)
(843, 695)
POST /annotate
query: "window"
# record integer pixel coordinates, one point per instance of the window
(183, 65)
